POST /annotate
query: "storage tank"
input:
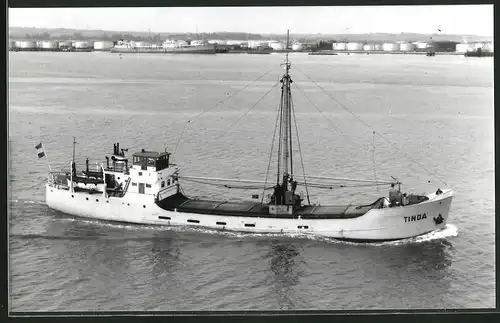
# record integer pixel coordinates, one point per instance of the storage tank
(277, 46)
(354, 46)
(12, 44)
(339, 46)
(368, 47)
(26, 45)
(81, 45)
(390, 47)
(103, 45)
(297, 46)
(256, 43)
(65, 44)
(407, 47)
(421, 45)
(49, 45)
(463, 48)
(379, 47)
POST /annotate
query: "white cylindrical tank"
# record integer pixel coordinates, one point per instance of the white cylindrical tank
(297, 46)
(181, 43)
(50, 44)
(463, 48)
(81, 45)
(368, 47)
(379, 47)
(26, 44)
(66, 43)
(422, 45)
(339, 46)
(12, 44)
(354, 46)
(103, 45)
(140, 44)
(278, 46)
(256, 43)
(406, 47)
(390, 47)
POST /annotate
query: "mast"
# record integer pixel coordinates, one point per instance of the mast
(74, 143)
(286, 122)
(284, 200)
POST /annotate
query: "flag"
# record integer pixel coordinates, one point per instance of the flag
(39, 147)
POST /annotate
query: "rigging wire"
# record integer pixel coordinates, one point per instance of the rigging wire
(369, 126)
(373, 158)
(179, 140)
(210, 109)
(300, 151)
(270, 154)
(253, 106)
(316, 107)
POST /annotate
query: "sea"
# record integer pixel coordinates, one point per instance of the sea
(426, 121)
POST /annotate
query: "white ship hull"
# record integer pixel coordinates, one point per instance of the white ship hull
(390, 223)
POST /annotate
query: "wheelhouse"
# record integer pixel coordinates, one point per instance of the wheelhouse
(145, 159)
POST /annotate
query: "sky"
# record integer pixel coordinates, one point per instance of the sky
(452, 19)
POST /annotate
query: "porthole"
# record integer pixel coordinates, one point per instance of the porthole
(87, 198)
(72, 196)
(306, 227)
(128, 204)
(97, 200)
(107, 201)
(144, 206)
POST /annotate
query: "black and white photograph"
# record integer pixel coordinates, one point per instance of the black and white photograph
(250, 158)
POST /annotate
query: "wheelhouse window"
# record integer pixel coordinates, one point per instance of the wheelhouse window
(148, 185)
(162, 183)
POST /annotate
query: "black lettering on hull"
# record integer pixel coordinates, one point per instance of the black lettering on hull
(414, 218)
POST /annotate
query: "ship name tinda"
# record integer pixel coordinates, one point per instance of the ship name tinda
(417, 217)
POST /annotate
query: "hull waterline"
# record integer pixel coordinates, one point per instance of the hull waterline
(389, 223)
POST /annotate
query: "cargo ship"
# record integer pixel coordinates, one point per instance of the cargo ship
(168, 47)
(145, 189)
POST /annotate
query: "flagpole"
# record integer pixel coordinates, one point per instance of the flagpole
(46, 157)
